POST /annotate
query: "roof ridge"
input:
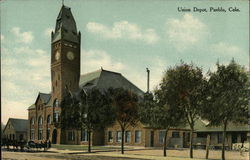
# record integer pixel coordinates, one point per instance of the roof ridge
(98, 79)
(132, 83)
(91, 72)
(111, 71)
(18, 119)
(44, 93)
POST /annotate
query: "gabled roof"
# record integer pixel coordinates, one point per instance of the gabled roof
(45, 97)
(33, 106)
(19, 125)
(103, 80)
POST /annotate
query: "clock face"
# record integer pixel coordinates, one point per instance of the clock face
(70, 55)
(57, 55)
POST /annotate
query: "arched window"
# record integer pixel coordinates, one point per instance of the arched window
(48, 119)
(40, 120)
(32, 121)
(56, 103)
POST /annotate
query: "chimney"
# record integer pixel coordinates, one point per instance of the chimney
(148, 72)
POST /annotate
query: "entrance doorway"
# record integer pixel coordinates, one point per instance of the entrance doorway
(20, 137)
(186, 139)
(234, 137)
(54, 136)
(152, 139)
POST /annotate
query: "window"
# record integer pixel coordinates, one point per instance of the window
(71, 136)
(40, 134)
(119, 136)
(32, 134)
(234, 137)
(13, 136)
(175, 135)
(40, 120)
(110, 136)
(219, 136)
(201, 135)
(56, 103)
(32, 121)
(56, 116)
(48, 119)
(84, 136)
(161, 136)
(137, 136)
(127, 136)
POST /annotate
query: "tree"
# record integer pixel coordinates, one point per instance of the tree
(125, 104)
(227, 97)
(184, 87)
(92, 111)
(155, 112)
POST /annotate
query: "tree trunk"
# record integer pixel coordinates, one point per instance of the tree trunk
(207, 145)
(89, 140)
(165, 143)
(122, 145)
(191, 142)
(223, 140)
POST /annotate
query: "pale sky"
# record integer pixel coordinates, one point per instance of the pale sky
(124, 36)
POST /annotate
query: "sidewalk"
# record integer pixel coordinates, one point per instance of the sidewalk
(139, 153)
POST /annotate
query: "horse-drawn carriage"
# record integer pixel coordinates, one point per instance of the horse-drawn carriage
(25, 146)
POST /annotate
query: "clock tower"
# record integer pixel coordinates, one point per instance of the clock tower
(65, 55)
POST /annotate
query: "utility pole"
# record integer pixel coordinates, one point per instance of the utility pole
(148, 72)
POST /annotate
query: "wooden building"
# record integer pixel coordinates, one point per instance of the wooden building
(16, 129)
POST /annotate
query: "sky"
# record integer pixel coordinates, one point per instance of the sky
(125, 36)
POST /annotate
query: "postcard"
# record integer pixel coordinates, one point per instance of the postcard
(52, 49)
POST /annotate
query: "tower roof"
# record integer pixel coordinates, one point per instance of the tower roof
(65, 27)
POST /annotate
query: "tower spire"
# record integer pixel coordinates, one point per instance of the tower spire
(62, 2)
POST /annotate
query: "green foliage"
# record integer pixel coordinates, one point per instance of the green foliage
(157, 114)
(184, 87)
(228, 95)
(91, 110)
(96, 110)
(125, 104)
(70, 112)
